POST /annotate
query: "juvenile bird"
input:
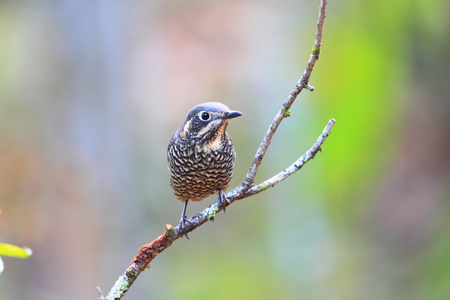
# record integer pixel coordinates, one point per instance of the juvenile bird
(201, 155)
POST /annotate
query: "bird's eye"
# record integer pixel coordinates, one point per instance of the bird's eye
(204, 116)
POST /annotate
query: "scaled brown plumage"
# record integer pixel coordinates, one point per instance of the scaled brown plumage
(201, 154)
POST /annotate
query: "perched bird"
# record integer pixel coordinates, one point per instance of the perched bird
(201, 155)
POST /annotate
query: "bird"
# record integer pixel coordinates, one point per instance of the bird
(201, 155)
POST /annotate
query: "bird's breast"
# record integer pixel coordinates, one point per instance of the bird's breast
(200, 169)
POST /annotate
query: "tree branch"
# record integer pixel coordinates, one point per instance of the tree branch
(297, 165)
(246, 189)
(284, 111)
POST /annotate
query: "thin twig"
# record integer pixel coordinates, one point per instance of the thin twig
(246, 189)
(284, 110)
(297, 165)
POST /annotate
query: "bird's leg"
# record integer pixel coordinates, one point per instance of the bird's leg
(184, 218)
(222, 199)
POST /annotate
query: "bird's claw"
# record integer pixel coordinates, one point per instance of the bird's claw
(222, 199)
(182, 225)
(183, 219)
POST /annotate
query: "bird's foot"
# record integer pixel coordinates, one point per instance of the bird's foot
(182, 225)
(222, 199)
(183, 219)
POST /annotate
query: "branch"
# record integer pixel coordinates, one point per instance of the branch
(284, 111)
(148, 252)
(297, 165)
(246, 189)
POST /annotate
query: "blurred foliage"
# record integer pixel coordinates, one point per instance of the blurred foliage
(14, 251)
(363, 74)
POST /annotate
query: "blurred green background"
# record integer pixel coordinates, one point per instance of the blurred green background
(92, 91)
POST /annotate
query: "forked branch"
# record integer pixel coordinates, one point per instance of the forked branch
(302, 83)
(246, 189)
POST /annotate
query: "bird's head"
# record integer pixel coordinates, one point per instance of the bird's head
(207, 122)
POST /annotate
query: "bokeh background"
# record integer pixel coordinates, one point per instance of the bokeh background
(92, 91)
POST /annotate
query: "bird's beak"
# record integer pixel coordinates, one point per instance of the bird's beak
(232, 114)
